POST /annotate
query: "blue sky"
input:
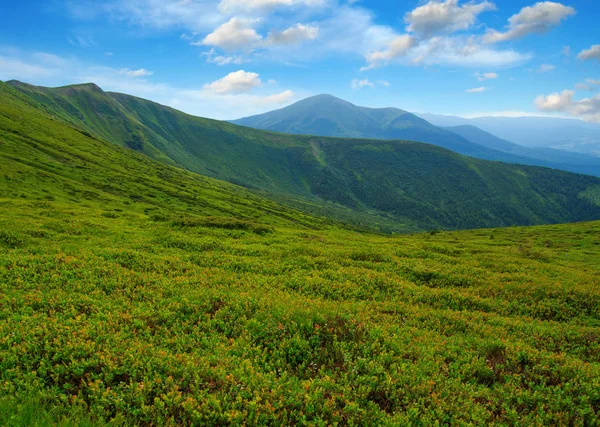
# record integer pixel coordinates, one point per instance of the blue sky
(230, 58)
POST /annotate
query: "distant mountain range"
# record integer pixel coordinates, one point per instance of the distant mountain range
(549, 132)
(326, 115)
(386, 185)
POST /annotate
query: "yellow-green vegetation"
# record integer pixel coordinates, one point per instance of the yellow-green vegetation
(136, 293)
(121, 316)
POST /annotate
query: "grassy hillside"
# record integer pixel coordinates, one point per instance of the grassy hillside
(135, 293)
(395, 186)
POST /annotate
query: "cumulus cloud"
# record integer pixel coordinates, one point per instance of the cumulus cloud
(587, 109)
(236, 82)
(293, 35)
(142, 72)
(486, 76)
(447, 16)
(397, 48)
(592, 53)
(477, 89)
(536, 19)
(235, 34)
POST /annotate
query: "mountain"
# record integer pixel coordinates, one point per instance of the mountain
(135, 293)
(548, 132)
(389, 185)
(326, 115)
(560, 159)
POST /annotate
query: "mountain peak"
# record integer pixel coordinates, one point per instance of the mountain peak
(93, 87)
(17, 83)
(325, 99)
(327, 115)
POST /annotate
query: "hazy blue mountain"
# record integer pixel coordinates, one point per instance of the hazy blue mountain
(550, 132)
(561, 159)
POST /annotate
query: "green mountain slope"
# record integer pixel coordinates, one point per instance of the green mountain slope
(326, 115)
(134, 293)
(565, 160)
(396, 186)
(42, 159)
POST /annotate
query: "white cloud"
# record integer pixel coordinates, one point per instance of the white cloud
(142, 72)
(239, 30)
(278, 98)
(13, 68)
(351, 30)
(446, 16)
(545, 68)
(230, 7)
(592, 53)
(536, 19)
(358, 84)
(566, 51)
(476, 89)
(463, 51)
(486, 76)
(593, 82)
(109, 54)
(214, 58)
(236, 82)
(397, 48)
(587, 109)
(226, 60)
(293, 35)
(235, 34)
(162, 14)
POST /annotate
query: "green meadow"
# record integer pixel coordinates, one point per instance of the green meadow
(120, 317)
(136, 293)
